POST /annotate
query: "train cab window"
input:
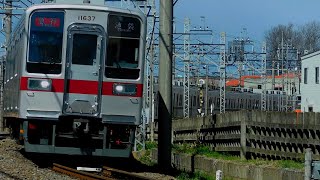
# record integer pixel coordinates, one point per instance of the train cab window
(45, 42)
(122, 59)
(84, 49)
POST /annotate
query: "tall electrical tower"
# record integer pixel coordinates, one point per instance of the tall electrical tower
(264, 78)
(147, 111)
(186, 77)
(222, 72)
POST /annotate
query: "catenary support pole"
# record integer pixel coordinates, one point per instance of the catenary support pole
(8, 29)
(165, 85)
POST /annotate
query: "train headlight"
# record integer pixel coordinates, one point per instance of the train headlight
(119, 88)
(39, 84)
(124, 89)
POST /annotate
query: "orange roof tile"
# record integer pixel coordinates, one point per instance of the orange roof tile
(232, 82)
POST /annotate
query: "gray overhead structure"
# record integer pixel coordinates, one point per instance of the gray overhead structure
(147, 6)
(222, 72)
(264, 77)
(186, 77)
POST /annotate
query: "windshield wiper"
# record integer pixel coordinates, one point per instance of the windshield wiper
(51, 61)
(118, 65)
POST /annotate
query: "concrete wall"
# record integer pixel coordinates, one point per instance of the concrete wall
(234, 170)
(254, 134)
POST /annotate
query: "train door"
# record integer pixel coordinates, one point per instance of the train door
(85, 48)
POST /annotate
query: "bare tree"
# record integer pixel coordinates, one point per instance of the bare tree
(277, 34)
(310, 33)
(305, 37)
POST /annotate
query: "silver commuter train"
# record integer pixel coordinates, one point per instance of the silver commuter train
(74, 79)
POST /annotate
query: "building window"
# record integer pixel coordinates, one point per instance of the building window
(317, 75)
(305, 75)
(259, 87)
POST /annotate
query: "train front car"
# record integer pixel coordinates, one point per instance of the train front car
(81, 87)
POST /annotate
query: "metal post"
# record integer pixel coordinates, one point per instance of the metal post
(1, 94)
(151, 104)
(282, 75)
(8, 29)
(273, 78)
(222, 71)
(186, 77)
(307, 164)
(243, 137)
(8, 21)
(140, 132)
(264, 79)
(165, 84)
(206, 98)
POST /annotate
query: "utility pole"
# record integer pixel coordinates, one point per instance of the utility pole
(206, 98)
(151, 58)
(186, 77)
(272, 72)
(222, 72)
(264, 78)
(8, 29)
(282, 75)
(165, 84)
(152, 73)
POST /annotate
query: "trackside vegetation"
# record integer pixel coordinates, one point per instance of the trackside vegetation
(203, 150)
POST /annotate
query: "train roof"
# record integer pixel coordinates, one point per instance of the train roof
(94, 7)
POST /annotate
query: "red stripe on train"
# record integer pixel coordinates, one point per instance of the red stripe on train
(81, 87)
(107, 89)
(57, 84)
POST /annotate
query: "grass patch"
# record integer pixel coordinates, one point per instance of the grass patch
(151, 145)
(290, 164)
(146, 159)
(197, 175)
(199, 149)
(202, 150)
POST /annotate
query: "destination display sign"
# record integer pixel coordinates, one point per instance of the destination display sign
(122, 26)
(47, 21)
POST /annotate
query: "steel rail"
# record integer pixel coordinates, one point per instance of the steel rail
(116, 172)
(78, 174)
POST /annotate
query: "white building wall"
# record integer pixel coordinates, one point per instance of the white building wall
(293, 83)
(310, 91)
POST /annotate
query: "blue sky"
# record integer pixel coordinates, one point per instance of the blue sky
(257, 16)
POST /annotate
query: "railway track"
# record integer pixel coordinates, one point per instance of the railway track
(122, 174)
(107, 173)
(4, 135)
(78, 174)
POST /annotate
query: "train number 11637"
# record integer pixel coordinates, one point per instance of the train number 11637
(86, 18)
